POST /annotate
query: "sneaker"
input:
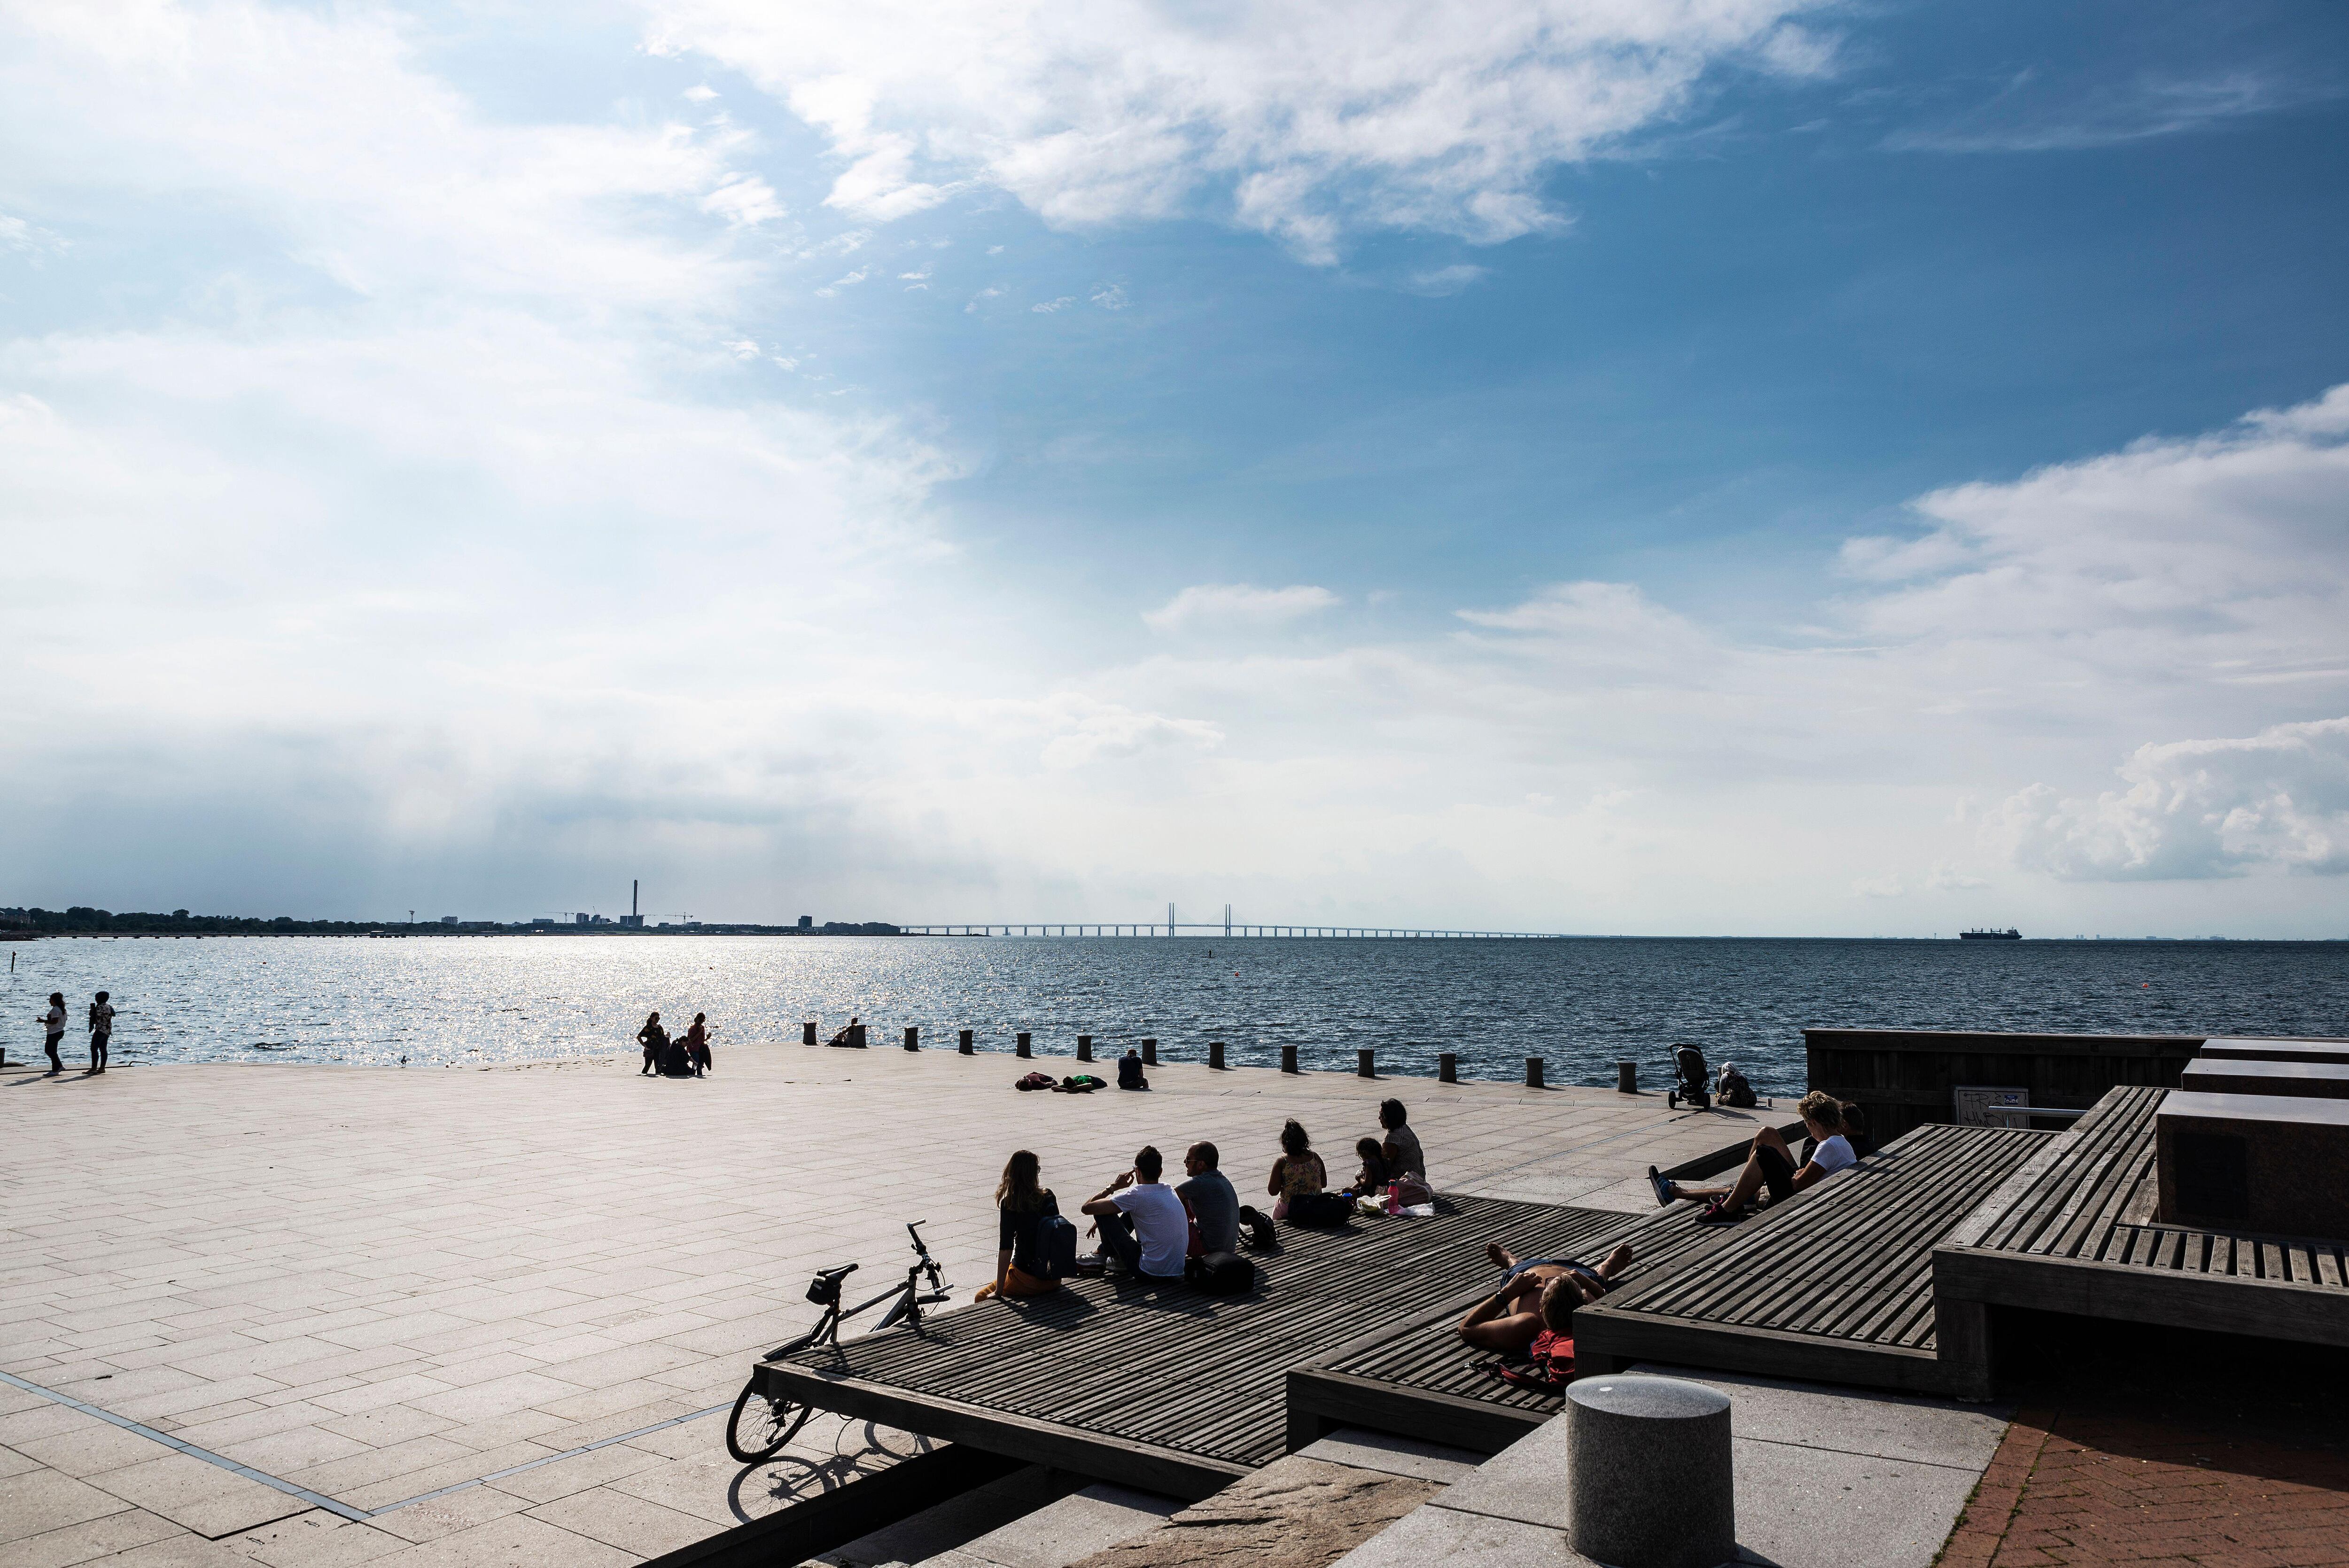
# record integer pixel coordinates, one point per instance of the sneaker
(1663, 1188)
(1719, 1213)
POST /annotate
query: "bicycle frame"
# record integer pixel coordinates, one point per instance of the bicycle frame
(907, 1293)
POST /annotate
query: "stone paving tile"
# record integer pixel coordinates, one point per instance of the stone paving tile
(635, 1526)
(314, 1540)
(201, 1497)
(91, 1541)
(42, 1500)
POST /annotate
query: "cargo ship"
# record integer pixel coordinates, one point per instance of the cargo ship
(2009, 934)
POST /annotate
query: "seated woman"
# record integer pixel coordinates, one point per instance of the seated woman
(1371, 1181)
(1298, 1173)
(1023, 1203)
(1537, 1296)
(1770, 1164)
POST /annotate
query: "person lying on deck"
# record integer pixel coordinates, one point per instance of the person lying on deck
(1142, 1223)
(1770, 1164)
(1537, 1296)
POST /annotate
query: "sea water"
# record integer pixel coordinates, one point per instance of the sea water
(1582, 1004)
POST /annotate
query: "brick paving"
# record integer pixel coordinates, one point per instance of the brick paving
(2194, 1474)
(375, 1283)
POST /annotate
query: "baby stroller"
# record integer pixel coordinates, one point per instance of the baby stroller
(1695, 1088)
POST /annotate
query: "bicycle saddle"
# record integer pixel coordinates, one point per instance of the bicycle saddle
(835, 1273)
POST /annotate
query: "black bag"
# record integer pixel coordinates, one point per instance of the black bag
(1221, 1273)
(1320, 1211)
(1058, 1253)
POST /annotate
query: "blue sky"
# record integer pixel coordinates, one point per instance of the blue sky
(1730, 466)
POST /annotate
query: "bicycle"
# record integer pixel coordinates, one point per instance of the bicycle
(762, 1424)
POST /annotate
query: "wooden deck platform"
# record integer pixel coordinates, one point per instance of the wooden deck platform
(1161, 1387)
(2074, 1230)
(1835, 1286)
(1415, 1377)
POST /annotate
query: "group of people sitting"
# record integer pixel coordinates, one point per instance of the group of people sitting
(1155, 1231)
(688, 1056)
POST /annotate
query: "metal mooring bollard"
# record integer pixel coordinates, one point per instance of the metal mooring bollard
(1215, 1056)
(1648, 1470)
(1364, 1064)
(1447, 1066)
(1084, 1048)
(1627, 1078)
(1288, 1058)
(807, 1033)
(1150, 1053)
(1533, 1072)
(912, 1038)
(1022, 1045)
(962, 1042)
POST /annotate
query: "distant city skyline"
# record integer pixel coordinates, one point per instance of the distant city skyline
(1735, 466)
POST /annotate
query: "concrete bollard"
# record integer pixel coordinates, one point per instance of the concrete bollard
(912, 1038)
(856, 1034)
(1150, 1053)
(1627, 1078)
(1533, 1072)
(962, 1042)
(1649, 1473)
(1084, 1048)
(1364, 1065)
(1447, 1066)
(1022, 1047)
(1215, 1056)
(807, 1033)
(1288, 1058)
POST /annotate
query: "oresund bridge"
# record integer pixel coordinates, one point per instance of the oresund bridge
(1227, 928)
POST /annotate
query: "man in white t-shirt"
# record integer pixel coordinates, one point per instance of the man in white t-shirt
(1771, 1165)
(1142, 1223)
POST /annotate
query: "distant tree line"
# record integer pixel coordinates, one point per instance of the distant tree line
(82, 920)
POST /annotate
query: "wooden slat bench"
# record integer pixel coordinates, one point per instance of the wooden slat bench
(1835, 1286)
(2074, 1230)
(1159, 1386)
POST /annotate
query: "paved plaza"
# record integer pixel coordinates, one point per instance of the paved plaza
(382, 1286)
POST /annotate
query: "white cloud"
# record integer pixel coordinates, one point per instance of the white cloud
(2198, 809)
(1442, 281)
(1306, 121)
(1111, 296)
(1050, 305)
(1209, 605)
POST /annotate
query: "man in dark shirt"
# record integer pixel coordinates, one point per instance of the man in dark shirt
(1213, 1202)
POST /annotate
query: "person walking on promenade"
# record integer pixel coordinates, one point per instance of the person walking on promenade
(54, 1023)
(697, 1044)
(655, 1040)
(101, 1030)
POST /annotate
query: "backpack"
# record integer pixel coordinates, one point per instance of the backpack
(1059, 1250)
(1549, 1368)
(1320, 1209)
(1221, 1273)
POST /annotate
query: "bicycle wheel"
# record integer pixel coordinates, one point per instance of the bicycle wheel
(760, 1425)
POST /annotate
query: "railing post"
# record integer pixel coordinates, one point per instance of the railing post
(1215, 1056)
(1533, 1072)
(962, 1043)
(1447, 1066)
(1288, 1058)
(807, 1033)
(1022, 1045)
(1150, 1053)
(1084, 1048)
(1363, 1066)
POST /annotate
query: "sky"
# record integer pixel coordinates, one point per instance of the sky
(1706, 467)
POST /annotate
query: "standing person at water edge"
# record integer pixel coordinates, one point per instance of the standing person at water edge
(655, 1040)
(697, 1044)
(101, 1030)
(54, 1022)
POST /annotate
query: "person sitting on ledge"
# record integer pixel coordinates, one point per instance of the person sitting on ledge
(1770, 1165)
(1371, 1181)
(850, 1036)
(1141, 1222)
(1024, 1203)
(1537, 1296)
(1298, 1173)
(1213, 1202)
(1129, 1070)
